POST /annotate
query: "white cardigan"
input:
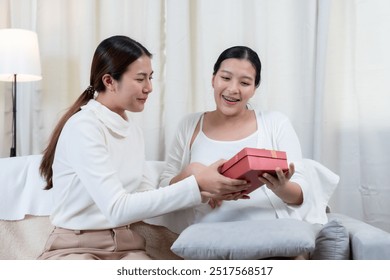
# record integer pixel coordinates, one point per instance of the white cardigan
(276, 133)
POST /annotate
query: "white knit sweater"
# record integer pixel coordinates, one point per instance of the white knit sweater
(99, 179)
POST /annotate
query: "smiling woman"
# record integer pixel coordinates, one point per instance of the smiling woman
(131, 91)
(221, 133)
(234, 85)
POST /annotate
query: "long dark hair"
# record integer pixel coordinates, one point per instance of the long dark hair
(241, 52)
(112, 56)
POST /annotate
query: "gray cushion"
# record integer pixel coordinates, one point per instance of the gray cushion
(241, 240)
(332, 242)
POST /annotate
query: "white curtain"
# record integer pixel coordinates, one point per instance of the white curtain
(324, 65)
(356, 115)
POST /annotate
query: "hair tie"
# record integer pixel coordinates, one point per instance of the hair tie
(90, 90)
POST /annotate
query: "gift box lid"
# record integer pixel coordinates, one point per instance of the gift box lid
(255, 152)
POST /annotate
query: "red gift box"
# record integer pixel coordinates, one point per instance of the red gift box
(250, 163)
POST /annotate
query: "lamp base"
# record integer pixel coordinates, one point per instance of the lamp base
(13, 152)
(13, 146)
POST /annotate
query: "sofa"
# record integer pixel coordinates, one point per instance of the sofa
(24, 227)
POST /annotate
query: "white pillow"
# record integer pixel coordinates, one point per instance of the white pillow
(241, 240)
(323, 183)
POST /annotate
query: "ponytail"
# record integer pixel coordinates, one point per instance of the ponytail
(45, 169)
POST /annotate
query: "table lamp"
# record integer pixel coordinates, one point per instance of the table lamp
(19, 62)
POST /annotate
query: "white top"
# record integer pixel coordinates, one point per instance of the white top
(207, 151)
(275, 132)
(99, 178)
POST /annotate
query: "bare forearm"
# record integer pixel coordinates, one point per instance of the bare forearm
(179, 177)
(186, 172)
(290, 193)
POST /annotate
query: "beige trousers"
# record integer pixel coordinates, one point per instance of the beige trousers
(109, 244)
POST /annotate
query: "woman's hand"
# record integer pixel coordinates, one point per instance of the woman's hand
(214, 185)
(214, 203)
(280, 180)
(281, 185)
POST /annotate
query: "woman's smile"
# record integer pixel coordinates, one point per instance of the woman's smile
(142, 100)
(230, 100)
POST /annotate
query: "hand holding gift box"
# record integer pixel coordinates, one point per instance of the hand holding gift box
(250, 163)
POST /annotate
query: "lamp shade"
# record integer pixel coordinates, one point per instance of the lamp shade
(19, 54)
